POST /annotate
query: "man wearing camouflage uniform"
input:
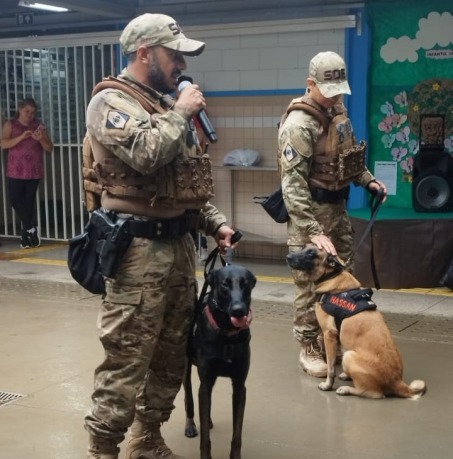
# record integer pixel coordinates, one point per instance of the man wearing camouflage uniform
(148, 167)
(318, 159)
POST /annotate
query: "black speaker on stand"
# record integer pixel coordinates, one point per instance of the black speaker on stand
(432, 175)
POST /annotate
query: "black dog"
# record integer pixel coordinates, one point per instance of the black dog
(219, 345)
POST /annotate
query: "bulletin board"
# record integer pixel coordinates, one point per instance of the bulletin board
(411, 75)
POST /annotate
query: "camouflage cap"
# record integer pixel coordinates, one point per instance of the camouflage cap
(157, 29)
(328, 71)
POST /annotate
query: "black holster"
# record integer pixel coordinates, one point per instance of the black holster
(113, 240)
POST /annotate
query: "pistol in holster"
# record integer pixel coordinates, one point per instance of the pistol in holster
(113, 240)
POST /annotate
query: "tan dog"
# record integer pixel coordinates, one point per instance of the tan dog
(371, 358)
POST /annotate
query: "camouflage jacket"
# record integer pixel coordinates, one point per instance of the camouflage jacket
(148, 164)
(298, 140)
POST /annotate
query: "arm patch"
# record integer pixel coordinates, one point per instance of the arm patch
(289, 153)
(116, 119)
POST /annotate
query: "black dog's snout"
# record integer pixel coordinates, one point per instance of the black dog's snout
(238, 310)
(303, 260)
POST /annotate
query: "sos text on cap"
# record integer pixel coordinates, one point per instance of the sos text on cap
(328, 70)
(157, 29)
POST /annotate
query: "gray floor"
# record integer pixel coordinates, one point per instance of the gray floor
(49, 349)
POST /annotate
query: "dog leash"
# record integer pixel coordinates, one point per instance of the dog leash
(210, 263)
(375, 204)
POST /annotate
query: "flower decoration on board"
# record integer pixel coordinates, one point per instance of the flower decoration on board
(432, 97)
(400, 123)
(397, 133)
(407, 165)
(399, 153)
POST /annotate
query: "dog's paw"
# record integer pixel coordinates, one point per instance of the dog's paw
(325, 386)
(191, 429)
(343, 390)
(344, 377)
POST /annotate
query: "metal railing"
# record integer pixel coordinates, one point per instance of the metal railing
(60, 79)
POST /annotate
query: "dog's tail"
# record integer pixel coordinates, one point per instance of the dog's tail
(412, 391)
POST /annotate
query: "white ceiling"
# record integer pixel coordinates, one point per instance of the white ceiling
(102, 15)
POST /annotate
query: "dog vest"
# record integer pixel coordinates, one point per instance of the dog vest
(346, 304)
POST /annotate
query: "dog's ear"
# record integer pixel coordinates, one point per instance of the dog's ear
(211, 277)
(334, 262)
(251, 279)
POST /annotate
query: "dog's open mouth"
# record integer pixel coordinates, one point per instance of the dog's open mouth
(239, 322)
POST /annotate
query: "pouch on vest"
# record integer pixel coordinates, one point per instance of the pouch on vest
(92, 189)
(351, 162)
(192, 181)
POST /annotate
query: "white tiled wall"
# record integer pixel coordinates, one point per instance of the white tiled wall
(273, 61)
(276, 66)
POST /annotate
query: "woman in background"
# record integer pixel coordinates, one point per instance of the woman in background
(26, 139)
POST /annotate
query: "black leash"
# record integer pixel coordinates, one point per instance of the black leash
(209, 266)
(375, 203)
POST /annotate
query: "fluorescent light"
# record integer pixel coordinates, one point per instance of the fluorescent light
(42, 6)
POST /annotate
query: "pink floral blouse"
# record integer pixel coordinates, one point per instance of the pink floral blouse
(26, 159)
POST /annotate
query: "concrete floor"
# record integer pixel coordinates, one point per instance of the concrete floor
(49, 349)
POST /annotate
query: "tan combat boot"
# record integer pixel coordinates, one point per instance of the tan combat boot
(146, 442)
(102, 448)
(311, 359)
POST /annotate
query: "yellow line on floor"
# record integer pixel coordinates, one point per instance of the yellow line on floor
(276, 279)
(46, 261)
(442, 291)
(11, 255)
(279, 280)
(32, 251)
(40, 261)
(423, 291)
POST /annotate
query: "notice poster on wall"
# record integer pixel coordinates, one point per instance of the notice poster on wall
(386, 172)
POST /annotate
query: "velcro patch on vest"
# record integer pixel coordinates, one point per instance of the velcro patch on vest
(346, 304)
(116, 120)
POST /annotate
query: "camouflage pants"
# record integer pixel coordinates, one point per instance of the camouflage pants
(143, 326)
(337, 226)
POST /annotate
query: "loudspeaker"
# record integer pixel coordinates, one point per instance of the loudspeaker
(432, 181)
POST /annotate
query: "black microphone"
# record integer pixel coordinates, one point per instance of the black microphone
(202, 117)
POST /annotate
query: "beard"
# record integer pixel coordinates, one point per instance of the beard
(157, 79)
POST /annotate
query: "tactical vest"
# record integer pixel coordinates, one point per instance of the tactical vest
(337, 159)
(185, 183)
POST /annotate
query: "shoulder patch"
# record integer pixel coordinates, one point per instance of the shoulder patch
(116, 120)
(289, 153)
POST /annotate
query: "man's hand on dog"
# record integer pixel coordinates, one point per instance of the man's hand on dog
(323, 242)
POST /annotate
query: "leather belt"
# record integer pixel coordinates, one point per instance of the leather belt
(332, 197)
(165, 228)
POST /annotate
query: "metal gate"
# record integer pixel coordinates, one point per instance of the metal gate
(59, 73)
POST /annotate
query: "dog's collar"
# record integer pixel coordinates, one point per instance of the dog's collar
(336, 272)
(231, 332)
